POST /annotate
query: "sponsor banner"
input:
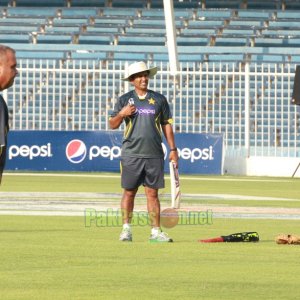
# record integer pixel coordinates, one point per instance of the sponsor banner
(100, 151)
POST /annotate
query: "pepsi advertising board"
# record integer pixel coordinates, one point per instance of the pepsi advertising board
(100, 151)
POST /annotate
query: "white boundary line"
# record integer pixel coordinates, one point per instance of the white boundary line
(104, 197)
(167, 176)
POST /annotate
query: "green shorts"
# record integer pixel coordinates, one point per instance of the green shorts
(142, 171)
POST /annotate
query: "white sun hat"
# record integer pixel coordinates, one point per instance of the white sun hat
(139, 67)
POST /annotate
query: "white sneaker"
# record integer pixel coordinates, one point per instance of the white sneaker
(160, 237)
(126, 235)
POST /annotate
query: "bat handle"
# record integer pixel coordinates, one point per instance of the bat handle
(175, 164)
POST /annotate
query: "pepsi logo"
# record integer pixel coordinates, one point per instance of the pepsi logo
(76, 151)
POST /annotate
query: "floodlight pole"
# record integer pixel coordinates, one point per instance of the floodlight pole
(171, 36)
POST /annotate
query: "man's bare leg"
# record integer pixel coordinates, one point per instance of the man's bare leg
(153, 206)
(127, 205)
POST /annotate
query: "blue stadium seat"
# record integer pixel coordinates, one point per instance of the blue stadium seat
(292, 5)
(260, 15)
(27, 21)
(63, 29)
(96, 39)
(198, 31)
(207, 23)
(33, 3)
(53, 38)
(141, 40)
(221, 14)
(222, 4)
(130, 4)
(266, 4)
(24, 11)
(244, 23)
(91, 3)
(277, 41)
(75, 12)
(114, 12)
(102, 29)
(192, 41)
(18, 28)
(130, 56)
(69, 21)
(40, 54)
(288, 24)
(14, 38)
(287, 14)
(229, 40)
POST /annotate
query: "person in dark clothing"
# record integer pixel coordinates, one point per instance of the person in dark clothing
(8, 72)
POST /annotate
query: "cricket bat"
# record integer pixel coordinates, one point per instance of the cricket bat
(175, 185)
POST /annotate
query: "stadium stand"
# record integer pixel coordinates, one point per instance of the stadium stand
(209, 32)
(252, 27)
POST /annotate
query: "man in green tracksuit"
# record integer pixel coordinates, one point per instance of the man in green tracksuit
(147, 115)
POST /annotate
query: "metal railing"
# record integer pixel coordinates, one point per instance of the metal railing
(248, 103)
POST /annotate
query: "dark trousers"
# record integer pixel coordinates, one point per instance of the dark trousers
(2, 161)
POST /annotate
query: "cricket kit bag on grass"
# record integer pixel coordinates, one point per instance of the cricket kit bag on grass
(234, 237)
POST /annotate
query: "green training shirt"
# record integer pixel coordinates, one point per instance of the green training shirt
(143, 133)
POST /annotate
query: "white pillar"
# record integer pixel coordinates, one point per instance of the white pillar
(247, 108)
(171, 36)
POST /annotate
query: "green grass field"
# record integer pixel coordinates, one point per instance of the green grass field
(57, 257)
